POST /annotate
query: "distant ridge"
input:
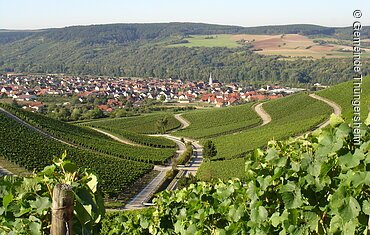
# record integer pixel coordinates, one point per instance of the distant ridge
(124, 32)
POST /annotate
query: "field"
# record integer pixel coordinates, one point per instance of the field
(34, 151)
(87, 138)
(342, 94)
(142, 124)
(219, 40)
(215, 122)
(291, 115)
(291, 45)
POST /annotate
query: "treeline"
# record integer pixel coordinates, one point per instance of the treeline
(126, 33)
(226, 64)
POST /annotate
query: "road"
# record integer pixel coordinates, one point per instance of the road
(184, 123)
(190, 168)
(147, 192)
(336, 109)
(266, 118)
(121, 140)
(4, 171)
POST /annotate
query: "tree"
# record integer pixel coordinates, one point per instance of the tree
(209, 150)
(76, 114)
(161, 125)
(162, 98)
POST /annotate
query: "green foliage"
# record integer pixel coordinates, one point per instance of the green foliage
(91, 139)
(224, 170)
(34, 151)
(216, 122)
(186, 155)
(91, 50)
(145, 124)
(291, 115)
(161, 125)
(151, 141)
(209, 149)
(26, 202)
(342, 94)
(317, 184)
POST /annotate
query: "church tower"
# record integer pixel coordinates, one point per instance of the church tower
(210, 79)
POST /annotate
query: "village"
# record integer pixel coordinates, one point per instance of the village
(119, 92)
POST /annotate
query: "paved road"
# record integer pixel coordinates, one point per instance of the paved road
(147, 192)
(336, 109)
(4, 171)
(121, 140)
(266, 118)
(190, 168)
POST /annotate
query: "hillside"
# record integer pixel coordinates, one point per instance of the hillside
(342, 94)
(216, 122)
(93, 140)
(123, 33)
(143, 50)
(291, 116)
(34, 151)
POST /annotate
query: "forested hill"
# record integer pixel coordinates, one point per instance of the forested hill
(122, 33)
(146, 50)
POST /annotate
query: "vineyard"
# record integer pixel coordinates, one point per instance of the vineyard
(316, 184)
(291, 115)
(346, 96)
(92, 140)
(34, 151)
(216, 122)
(142, 139)
(141, 124)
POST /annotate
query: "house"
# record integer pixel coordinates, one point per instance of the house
(7, 90)
(25, 97)
(36, 106)
(105, 108)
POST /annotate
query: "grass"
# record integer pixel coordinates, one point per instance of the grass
(226, 169)
(218, 40)
(342, 94)
(291, 45)
(145, 124)
(215, 122)
(291, 115)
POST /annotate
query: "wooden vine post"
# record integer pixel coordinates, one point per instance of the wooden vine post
(62, 210)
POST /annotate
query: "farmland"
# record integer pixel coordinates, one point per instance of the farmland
(34, 151)
(93, 140)
(214, 122)
(145, 124)
(290, 116)
(290, 45)
(346, 95)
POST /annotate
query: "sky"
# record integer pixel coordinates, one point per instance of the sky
(37, 14)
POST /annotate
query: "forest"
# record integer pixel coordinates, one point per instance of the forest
(140, 50)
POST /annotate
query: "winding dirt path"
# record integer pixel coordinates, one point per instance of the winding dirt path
(121, 140)
(184, 123)
(266, 118)
(337, 110)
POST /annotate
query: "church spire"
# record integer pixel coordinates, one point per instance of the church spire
(210, 79)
